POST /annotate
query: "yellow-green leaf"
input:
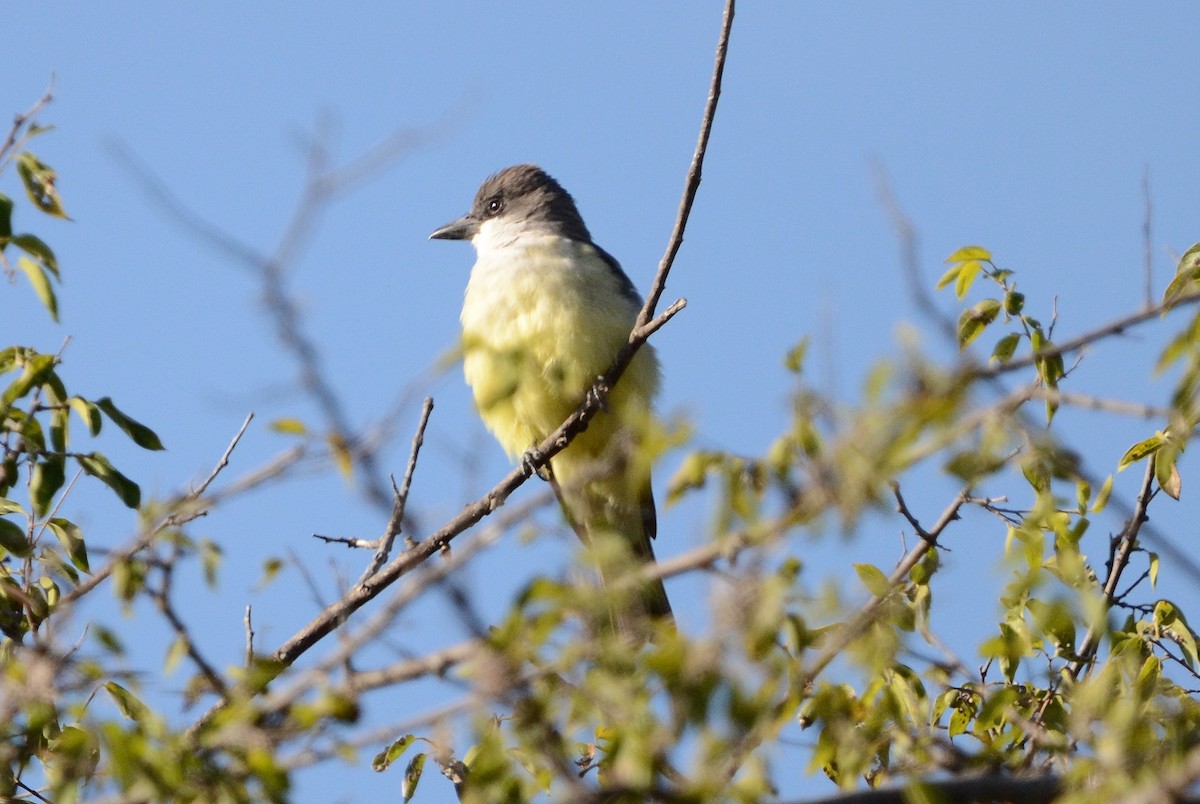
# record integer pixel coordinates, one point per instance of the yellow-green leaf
(1006, 347)
(36, 248)
(966, 277)
(394, 751)
(49, 475)
(1102, 497)
(973, 321)
(99, 467)
(873, 578)
(970, 253)
(339, 450)
(1186, 274)
(13, 539)
(290, 426)
(88, 412)
(40, 184)
(1167, 475)
(126, 701)
(140, 434)
(41, 285)
(71, 538)
(1140, 450)
(951, 275)
(175, 653)
(412, 777)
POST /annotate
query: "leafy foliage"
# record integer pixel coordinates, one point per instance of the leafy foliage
(1084, 671)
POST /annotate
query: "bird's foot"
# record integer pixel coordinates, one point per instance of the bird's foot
(597, 395)
(533, 463)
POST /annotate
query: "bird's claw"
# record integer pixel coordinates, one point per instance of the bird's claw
(533, 463)
(597, 395)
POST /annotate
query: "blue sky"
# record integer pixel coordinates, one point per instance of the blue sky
(1025, 128)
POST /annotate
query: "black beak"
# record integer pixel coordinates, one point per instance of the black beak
(464, 228)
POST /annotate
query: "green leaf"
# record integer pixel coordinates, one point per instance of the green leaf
(1187, 272)
(141, 435)
(36, 369)
(993, 713)
(59, 420)
(6, 208)
(48, 477)
(970, 253)
(339, 451)
(8, 506)
(1102, 498)
(1172, 622)
(290, 426)
(1166, 471)
(131, 708)
(36, 248)
(71, 538)
(175, 654)
(1055, 620)
(40, 184)
(412, 777)
(951, 275)
(1182, 345)
(973, 321)
(966, 277)
(271, 567)
(394, 751)
(1141, 450)
(959, 721)
(873, 578)
(1006, 347)
(210, 561)
(88, 412)
(12, 539)
(794, 360)
(1153, 572)
(98, 466)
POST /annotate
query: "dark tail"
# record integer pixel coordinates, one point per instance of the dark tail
(594, 515)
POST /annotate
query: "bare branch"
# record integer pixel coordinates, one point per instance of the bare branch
(692, 183)
(1125, 541)
(1116, 327)
(19, 121)
(183, 508)
(224, 461)
(249, 638)
(395, 523)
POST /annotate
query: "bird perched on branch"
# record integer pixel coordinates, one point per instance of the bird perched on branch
(546, 313)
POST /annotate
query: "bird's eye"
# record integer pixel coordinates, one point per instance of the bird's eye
(495, 205)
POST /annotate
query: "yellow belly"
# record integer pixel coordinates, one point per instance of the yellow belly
(537, 332)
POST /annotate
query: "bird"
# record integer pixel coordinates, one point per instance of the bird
(545, 313)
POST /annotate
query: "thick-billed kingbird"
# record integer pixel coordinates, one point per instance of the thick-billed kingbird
(545, 314)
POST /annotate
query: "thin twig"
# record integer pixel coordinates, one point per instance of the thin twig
(249, 637)
(20, 120)
(183, 508)
(843, 637)
(692, 183)
(1125, 542)
(400, 496)
(1078, 342)
(224, 461)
